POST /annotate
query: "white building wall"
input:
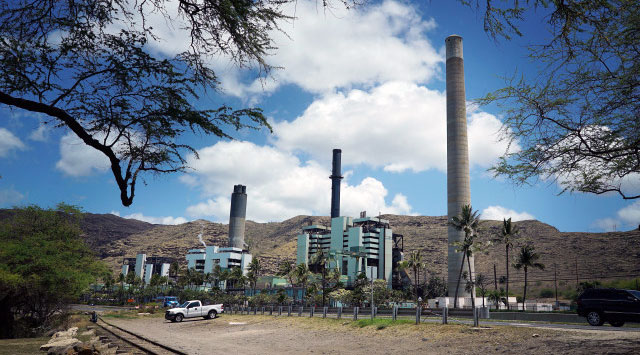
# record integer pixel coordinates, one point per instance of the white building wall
(148, 272)
(141, 260)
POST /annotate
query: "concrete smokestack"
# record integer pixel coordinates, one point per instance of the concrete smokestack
(237, 217)
(335, 183)
(458, 190)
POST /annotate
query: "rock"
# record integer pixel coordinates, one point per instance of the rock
(84, 349)
(89, 332)
(69, 333)
(60, 342)
(535, 335)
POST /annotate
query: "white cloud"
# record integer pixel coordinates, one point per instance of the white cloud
(498, 213)
(360, 46)
(41, 133)
(323, 50)
(606, 224)
(9, 142)
(79, 159)
(398, 126)
(278, 184)
(155, 220)
(630, 214)
(10, 197)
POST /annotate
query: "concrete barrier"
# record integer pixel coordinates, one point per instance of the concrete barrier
(540, 317)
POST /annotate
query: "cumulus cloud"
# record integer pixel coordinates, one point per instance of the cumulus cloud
(606, 224)
(279, 185)
(323, 50)
(630, 214)
(10, 197)
(9, 142)
(78, 159)
(40, 134)
(398, 126)
(498, 213)
(156, 220)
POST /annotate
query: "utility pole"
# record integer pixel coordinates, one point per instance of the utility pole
(372, 305)
(555, 281)
(495, 277)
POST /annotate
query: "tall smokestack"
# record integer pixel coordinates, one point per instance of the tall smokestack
(335, 183)
(237, 217)
(458, 191)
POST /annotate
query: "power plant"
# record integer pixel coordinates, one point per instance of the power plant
(351, 245)
(235, 255)
(458, 190)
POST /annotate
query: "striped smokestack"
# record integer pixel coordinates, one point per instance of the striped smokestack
(458, 191)
(237, 217)
(335, 183)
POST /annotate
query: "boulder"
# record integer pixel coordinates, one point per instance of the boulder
(59, 344)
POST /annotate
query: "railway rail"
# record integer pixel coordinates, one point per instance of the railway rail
(142, 344)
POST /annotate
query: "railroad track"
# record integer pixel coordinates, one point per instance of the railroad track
(137, 344)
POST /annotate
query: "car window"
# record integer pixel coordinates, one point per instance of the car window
(184, 305)
(635, 293)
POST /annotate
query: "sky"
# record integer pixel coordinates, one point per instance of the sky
(369, 81)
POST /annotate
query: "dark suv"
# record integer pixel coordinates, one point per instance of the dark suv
(609, 304)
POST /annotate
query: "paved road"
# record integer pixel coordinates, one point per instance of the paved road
(604, 328)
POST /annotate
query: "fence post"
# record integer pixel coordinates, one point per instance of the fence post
(394, 313)
(324, 312)
(300, 311)
(312, 311)
(355, 313)
(289, 311)
(445, 314)
(271, 311)
(255, 310)
(418, 313)
(279, 310)
(339, 312)
(475, 316)
(263, 310)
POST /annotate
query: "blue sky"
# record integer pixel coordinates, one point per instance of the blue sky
(369, 81)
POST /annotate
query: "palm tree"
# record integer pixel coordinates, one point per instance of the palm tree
(254, 272)
(415, 263)
(527, 258)
(301, 273)
(121, 279)
(507, 236)
(174, 270)
(468, 222)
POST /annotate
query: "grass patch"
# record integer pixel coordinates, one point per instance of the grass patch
(22, 346)
(380, 323)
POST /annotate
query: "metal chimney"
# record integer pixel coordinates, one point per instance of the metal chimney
(335, 183)
(237, 217)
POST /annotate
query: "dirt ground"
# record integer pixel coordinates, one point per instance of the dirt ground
(234, 334)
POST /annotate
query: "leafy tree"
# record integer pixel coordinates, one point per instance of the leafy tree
(329, 278)
(415, 263)
(507, 236)
(468, 222)
(577, 121)
(44, 265)
(527, 258)
(482, 282)
(435, 287)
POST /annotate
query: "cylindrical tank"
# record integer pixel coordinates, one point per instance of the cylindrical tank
(237, 216)
(335, 183)
(458, 190)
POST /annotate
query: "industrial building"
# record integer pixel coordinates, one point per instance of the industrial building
(145, 268)
(353, 246)
(235, 255)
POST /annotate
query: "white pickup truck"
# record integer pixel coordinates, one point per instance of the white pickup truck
(192, 309)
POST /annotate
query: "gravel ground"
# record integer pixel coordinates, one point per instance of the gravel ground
(233, 334)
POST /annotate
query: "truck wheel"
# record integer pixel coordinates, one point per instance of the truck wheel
(616, 323)
(212, 314)
(179, 317)
(595, 318)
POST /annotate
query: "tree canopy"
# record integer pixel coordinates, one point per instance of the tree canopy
(578, 120)
(89, 66)
(44, 265)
